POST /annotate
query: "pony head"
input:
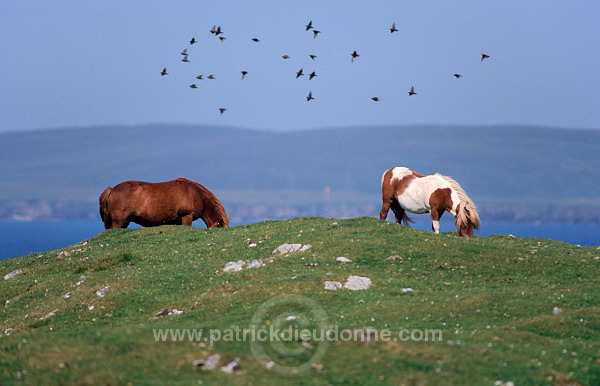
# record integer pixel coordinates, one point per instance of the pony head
(217, 222)
(467, 218)
(214, 212)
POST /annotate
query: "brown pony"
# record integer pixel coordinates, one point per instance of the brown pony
(177, 202)
(406, 190)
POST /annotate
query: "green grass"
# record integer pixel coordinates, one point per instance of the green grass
(491, 297)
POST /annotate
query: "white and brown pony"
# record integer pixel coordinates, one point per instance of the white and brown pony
(406, 190)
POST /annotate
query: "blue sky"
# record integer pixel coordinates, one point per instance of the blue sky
(82, 63)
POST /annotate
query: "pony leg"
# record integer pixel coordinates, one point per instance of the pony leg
(436, 214)
(187, 220)
(119, 220)
(396, 208)
(385, 207)
(439, 201)
(107, 220)
(119, 224)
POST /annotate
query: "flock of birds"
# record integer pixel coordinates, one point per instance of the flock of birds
(217, 31)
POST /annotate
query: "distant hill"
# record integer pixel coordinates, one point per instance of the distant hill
(497, 165)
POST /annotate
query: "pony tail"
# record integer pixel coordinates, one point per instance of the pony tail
(406, 220)
(104, 212)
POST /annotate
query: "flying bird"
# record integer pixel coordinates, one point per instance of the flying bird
(393, 29)
(313, 57)
(355, 55)
(299, 74)
(216, 30)
(315, 33)
(185, 59)
(255, 40)
(458, 76)
(376, 99)
(199, 77)
(244, 74)
(222, 38)
(193, 40)
(412, 91)
(164, 72)
(484, 56)
(286, 57)
(184, 52)
(309, 97)
(193, 85)
(309, 25)
(312, 75)
(211, 76)
(222, 110)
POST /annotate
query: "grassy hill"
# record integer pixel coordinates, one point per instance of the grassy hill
(491, 298)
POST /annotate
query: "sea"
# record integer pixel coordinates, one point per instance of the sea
(24, 238)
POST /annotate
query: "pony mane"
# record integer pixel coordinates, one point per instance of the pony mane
(216, 204)
(468, 210)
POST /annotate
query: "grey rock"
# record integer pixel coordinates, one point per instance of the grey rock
(101, 292)
(358, 283)
(232, 366)
(332, 285)
(256, 264)
(49, 315)
(557, 311)
(289, 248)
(233, 266)
(13, 274)
(209, 363)
(81, 279)
(198, 362)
